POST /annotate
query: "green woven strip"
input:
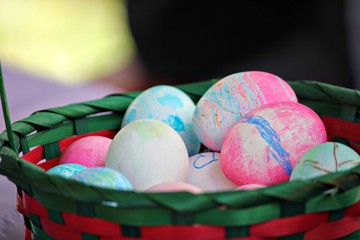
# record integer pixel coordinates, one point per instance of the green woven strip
(45, 119)
(236, 232)
(288, 208)
(39, 234)
(348, 112)
(130, 231)
(86, 236)
(298, 236)
(85, 209)
(353, 236)
(52, 150)
(336, 215)
(81, 126)
(55, 216)
(24, 145)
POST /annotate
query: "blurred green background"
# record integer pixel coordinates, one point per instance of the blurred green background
(72, 42)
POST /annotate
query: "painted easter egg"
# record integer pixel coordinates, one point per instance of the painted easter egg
(249, 187)
(174, 187)
(264, 146)
(224, 103)
(66, 170)
(88, 151)
(169, 105)
(325, 158)
(205, 172)
(149, 152)
(103, 177)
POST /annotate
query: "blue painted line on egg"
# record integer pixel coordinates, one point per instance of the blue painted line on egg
(201, 155)
(274, 142)
(170, 100)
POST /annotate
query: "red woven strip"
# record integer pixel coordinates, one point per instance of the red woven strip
(91, 225)
(341, 128)
(31, 205)
(183, 232)
(35, 155)
(20, 206)
(355, 146)
(27, 234)
(336, 229)
(289, 225)
(353, 210)
(59, 231)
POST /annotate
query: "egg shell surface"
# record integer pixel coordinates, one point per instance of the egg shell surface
(149, 152)
(66, 170)
(103, 177)
(323, 159)
(249, 187)
(205, 172)
(169, 105)
(224, 103)
(89, 151)
(174, 187)
(264, 146)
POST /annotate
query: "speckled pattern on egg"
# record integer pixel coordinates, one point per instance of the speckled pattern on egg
(169, 105)
(231, 98)
(325, 158)
(66, 170)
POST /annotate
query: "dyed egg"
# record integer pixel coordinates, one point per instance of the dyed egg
(264, 146)
(66, 170)
(169, 105)
(174, 187)
(231, 98)
(149, 152)
(325, 158)
(249, 187)
(205, 172)
(88, 151)
(103, 177)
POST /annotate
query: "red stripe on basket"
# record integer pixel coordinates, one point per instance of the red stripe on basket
(59, 231)
(289, 225)
(355, 146)
(31, 205)
(91, 225)
(183, 232)
(35, 155)
(353, 210)
(27, 234)
(336, 229)
(20, 205)
(336, 127)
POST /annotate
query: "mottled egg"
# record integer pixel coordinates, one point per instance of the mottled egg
(325, 158)
(233, 97)
(264, 146)
(89, 151)
(103, 177)
(205, 172)
(174, 187)
(66, 170)
(149, 152)
(169, 105)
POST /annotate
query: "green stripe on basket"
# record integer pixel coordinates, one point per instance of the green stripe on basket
(40, 234)
(130, 231)
(353, 236)
(52, 150)
(297, 236)
(81, 126)
(55, 216)
(86, 236)
(236, 232)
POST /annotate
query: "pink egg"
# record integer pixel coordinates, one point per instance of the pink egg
(248, 187)
(264, 146)
(89, 151)
(174, 187)
(233, 97)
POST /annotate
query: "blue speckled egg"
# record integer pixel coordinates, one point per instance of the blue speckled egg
(103, 177)
(325, 158)
(169, 105)
(67, 169)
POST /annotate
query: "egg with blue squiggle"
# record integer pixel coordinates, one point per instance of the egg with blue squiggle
(205, 172)
(169, 105)
(265, 145)
(325, 158)
(224, 103)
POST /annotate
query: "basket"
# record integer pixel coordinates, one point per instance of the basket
(54, 207)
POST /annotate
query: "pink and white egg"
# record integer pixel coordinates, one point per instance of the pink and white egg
(231, 98)
(264, 146)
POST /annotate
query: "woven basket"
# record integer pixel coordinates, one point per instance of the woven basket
(54, 207)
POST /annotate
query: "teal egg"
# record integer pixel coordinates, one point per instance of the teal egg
(67, 169)
(103, 177)
(169, 105)
(323, 159)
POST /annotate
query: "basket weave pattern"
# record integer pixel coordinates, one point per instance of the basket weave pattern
(53, 207)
